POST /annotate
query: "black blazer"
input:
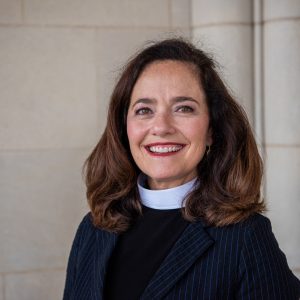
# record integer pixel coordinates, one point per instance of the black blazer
(241, 261)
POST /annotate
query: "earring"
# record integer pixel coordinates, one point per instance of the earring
(207, 149)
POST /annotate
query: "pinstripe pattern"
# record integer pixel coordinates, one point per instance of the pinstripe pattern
(241, 261)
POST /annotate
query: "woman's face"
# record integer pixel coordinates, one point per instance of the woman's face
(168, 123)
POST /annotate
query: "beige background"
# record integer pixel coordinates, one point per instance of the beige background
(59, 60)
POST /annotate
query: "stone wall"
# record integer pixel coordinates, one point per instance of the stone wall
(59, 61)
(281, 48)
(257, 44)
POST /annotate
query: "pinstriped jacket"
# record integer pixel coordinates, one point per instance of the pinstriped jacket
(240, 261)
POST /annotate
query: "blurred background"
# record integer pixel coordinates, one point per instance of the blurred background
(59, 60)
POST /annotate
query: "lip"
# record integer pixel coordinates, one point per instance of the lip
(147, 148)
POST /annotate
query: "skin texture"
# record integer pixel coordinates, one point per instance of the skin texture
(168, 109)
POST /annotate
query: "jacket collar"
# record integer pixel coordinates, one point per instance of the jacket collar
(105, 244)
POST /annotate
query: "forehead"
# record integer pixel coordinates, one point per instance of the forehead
(170, 67)
(168, 76)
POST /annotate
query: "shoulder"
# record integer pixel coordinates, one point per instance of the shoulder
(258, 237)
(247, 241)
(242, 231)
(87, 233)
(86, 226)
(254, 222)
(259, 243)
(261, 268)
(86, 222)
(252, 237)
(262, 263)
(255, 225)
(84, 232)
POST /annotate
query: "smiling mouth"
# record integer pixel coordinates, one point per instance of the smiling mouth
(167, 149)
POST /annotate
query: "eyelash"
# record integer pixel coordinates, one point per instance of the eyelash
(143, 111)
(184, 109)
(146, 110)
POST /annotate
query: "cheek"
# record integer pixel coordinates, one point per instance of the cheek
(134, 133)
(129, 131)
(197, 132)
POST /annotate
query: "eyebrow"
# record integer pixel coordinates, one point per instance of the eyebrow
(178, 99)
(183, 99)
(145, 101)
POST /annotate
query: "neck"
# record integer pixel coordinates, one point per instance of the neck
(170, 198)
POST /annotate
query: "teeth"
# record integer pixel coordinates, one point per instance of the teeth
(165, 149)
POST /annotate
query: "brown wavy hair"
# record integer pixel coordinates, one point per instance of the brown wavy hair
(230, 173)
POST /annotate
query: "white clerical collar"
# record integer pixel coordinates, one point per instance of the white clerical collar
(164, 199)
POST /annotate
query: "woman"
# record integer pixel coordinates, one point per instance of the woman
(174, 191)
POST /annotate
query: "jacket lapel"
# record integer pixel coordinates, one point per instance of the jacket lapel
(193, 242)
(105, 244)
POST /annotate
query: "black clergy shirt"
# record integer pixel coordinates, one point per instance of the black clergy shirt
(140, 251)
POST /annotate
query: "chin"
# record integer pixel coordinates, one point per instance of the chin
(166, 179)
(162, 177)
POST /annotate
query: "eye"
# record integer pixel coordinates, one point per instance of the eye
(184, 109)
(143, 111)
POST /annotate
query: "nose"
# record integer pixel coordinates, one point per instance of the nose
(162, 125)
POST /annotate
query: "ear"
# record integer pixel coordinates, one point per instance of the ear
(209, 139)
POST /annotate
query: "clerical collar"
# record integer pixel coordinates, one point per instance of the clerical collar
(172, 198)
